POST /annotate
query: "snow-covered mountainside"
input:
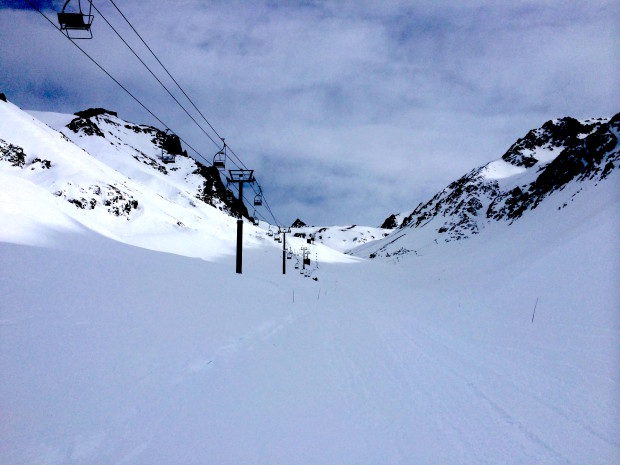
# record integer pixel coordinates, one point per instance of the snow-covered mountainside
(124, 192)
(94, 170)
(144, 153)
(553, 163)
(499, 349)
(341, 238)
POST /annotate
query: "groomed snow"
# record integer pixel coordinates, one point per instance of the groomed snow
(502, 348)
(117, 354)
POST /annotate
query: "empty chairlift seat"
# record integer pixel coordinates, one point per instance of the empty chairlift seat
(258, 198)
(79, 21)
(171, 145)
(219, 159)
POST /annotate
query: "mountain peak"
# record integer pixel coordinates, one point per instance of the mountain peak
(94, 112)
(561, 155)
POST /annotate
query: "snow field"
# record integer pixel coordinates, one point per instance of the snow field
(134, 342)
(125, 355)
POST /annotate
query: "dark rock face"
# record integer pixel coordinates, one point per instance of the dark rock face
(298, 224)
(15, 156)
(564, 132)
(591, 156)
(585, 150)
(86, 121)
(94, 112)
(2, 97)
(461, 203)
(172, 144)
(213, 190)
(85, 126)
(390, 223)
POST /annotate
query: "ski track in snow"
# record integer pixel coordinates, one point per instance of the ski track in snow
(123, 355)
(369, 380)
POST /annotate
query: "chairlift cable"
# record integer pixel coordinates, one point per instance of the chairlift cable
(99, 66)
(165, 69)
(180, 88)
(153, 74)
(149, 111)
(116, 81)
(177, 84)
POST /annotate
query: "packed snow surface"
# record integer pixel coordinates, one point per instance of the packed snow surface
(488, 351)
(502, 348)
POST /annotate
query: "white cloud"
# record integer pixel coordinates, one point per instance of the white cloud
(348, 111)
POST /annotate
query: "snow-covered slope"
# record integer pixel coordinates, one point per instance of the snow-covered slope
(341, 238)
(499, 349)
(66, 181)
(552, 165)
(96, 171)
(138, 152)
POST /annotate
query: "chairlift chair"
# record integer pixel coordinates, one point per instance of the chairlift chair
(270, 232)
(166, 156)
(229, 193)
(289, 255)
(258, 198)
(76, 21)
(219, 159)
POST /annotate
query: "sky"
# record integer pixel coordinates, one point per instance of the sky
(348, 111)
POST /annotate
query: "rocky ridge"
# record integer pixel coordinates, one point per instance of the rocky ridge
(558, 156)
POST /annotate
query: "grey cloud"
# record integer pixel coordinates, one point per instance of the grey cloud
(348, 111)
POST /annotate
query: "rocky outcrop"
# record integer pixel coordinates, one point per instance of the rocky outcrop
(99, 122)
(546, 160)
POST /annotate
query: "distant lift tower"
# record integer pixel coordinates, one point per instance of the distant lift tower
(284, 253)
(240, 177)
